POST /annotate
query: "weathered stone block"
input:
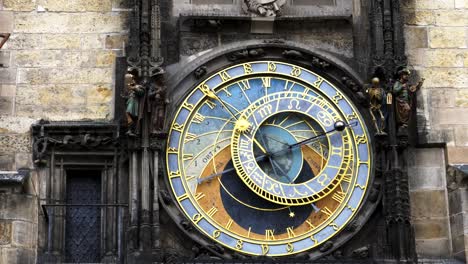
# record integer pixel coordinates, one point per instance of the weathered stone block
(116, 41)
(89, 22)
(4, 59)
(419, 17)
(76, 5)
(442, 97)
(68, 76)
(99, 111)
(428, 4)
(458, 243)
(18, 255)
(426, 157)
(445, 57)
(457, 155)
(8, 75)
(6, 161)
(455, 202)
(23, 160)
(428, 204)
(23, 235)
(18, 207)
(461, 136)
(447, 37)
(426, 178)
(431, 228)
(445, 77)
(432, 247)
(92, 41)
(61, 41)
(99, 94)
(14, 143)
(450, 116)
(5, 232)
(6, 21)
(6, 105)
(12, 124)
(23, 41)
(19, 5)
(462, 98)
(452, 18)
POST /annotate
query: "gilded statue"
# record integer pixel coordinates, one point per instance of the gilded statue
(377, 97)
(403, 92)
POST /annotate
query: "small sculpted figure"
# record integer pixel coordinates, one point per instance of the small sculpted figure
(403, 92)
(134, 94)
(266, 8)
(377, 97)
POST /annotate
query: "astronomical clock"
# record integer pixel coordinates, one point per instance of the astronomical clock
(268, 158)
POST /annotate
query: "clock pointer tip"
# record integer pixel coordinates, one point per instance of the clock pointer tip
(340, 126)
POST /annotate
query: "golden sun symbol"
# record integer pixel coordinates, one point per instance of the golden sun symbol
(242, 125)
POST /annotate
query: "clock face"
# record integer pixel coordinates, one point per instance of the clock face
(268, 158)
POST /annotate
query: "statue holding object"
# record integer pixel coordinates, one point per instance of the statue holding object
(403, 92)
(134, 94)
(377, 97)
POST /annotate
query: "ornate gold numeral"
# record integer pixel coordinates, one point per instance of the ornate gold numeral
(337, 97)
(178, 127)
(334, 226)
(265, 249)
(296, 71)
(361, 139)
(239, 244)
(313, 239)
(199, 196)
(229, 224)
(228, 94)
(182, 197)
(311, 226)
(290, 232)
(271, 66)
(266, 82)
(244, 85)
(347, 178)
(174, 174)
(207, 91)
(318, 82)
(270, 234)
(212, 211)
(188, 106)
(224, 76)
(196, 218)
(351, 208)
(198, 118)
(351, 116)
(186, 157)
(326, 211)
(210, 104)
(339, 196)
(189, 137)
(289, 248)
(189, 177)
(247, 68)
(216, 233)
(172, 151)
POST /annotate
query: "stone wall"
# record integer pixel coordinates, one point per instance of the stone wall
(436, 35)
(437, 47)
(58, 65)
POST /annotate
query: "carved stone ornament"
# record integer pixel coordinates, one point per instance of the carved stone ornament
(264, 8)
